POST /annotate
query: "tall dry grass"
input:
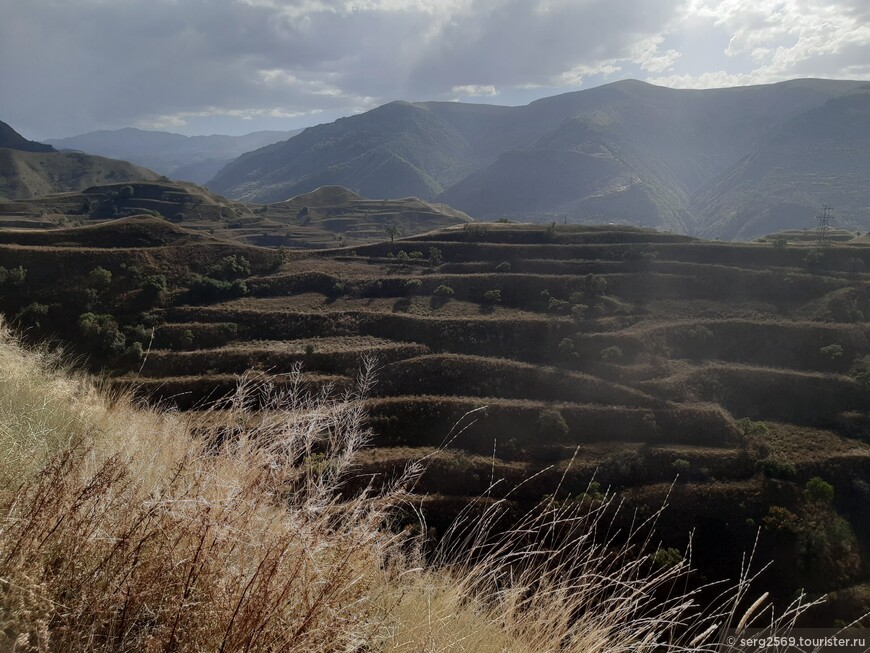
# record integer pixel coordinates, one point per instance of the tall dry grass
(131, 529)
(125, 529)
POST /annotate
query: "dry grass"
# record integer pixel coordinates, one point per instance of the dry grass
(122, 530)
(126, 529)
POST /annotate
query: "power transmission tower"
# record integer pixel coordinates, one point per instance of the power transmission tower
(823, 231)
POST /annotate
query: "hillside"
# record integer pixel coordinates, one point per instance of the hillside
(397, 150)
(188, 158)
(565, 354)
(820, 157)
(627, 152)
(26, 175)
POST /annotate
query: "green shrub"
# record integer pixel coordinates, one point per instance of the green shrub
(492, 296)
(749, 427)
(504, 266)
(134, 353)
(415, 255)
(231, 267)
(594, 285)
(154, 286)
(435, 256)
(393, 230)
(612, 354)
(102, 334)
(33, 315)
(13, 276)
(832, 351)
(818, 490)
(186, 339)
(443, 291)
(99, 279)
(551, 424)
(412, 285)
(778, 469)
(205, 289)
(137, 332)
(578, 312)
(782, 520)
(557, 305)
(641, 255)
(402, 256)
(681, 465)
(667, 558)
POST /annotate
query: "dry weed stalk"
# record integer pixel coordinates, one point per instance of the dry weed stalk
(565, 578)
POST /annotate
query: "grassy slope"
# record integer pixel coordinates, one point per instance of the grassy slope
(134, 529)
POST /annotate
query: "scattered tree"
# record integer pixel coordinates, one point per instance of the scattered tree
(393, 230)
(832, 351)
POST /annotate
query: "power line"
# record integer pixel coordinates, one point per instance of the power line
(823, 231)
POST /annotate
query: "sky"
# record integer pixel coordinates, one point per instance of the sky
(237, 66)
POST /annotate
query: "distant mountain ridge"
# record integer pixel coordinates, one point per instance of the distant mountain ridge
(188, 158)
(625, 152)
(29, 169)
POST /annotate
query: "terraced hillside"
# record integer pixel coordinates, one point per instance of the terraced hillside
(549, 357)
(326, 217)
(631, 356)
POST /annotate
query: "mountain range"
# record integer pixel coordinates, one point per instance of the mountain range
(732, 163)
(187, 158)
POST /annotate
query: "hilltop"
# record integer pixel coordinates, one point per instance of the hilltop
(620, 355)
(627, 152)
(11, 139)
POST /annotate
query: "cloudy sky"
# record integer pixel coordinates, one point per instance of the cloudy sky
(236, 66)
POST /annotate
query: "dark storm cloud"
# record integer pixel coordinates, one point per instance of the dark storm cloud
(72, 65)
(68, 66)
(519, 42)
